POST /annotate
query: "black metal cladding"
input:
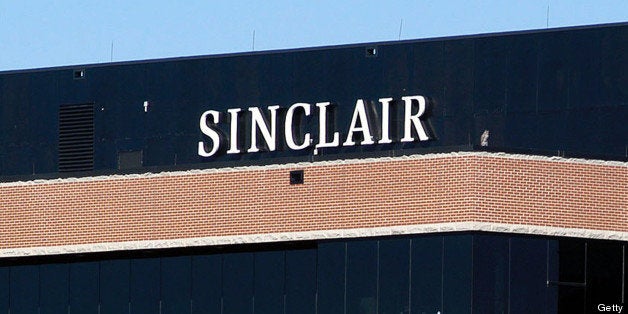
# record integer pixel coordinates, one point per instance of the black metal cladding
(558, 91)
(76, 138)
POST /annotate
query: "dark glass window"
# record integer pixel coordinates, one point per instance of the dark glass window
(458, 79)
(528, 275)
(301, 281)
(552, 261)
(604, 269)
(331, 277)
(54, 287)
(491, 60)
(4, 289)
(613, 68)
(269, 282)
(362, 277)
(571, 299)
(585, 75)
(457, 272)
(458, 76)
(551, 134)
(176, 276)
(522, 75)
(571, 260)
(427, 274)
(552, 277)
(114, 286)
(206, 284)
(394, 279)
(84, 287)
(144, 292)
(426, 68)
(237, 284)
(566, 273)
(24, 289)
(625, 262)
(490, 274)
(554, 72)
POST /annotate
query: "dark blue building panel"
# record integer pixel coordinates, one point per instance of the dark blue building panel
(553, 91)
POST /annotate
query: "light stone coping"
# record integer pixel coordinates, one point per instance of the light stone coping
(316, 235)
(318, 164)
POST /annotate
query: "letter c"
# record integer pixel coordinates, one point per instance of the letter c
(288, 127)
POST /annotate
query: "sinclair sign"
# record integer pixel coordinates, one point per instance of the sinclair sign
(370, 125)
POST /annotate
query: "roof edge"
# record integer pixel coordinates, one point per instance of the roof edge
(317, 48)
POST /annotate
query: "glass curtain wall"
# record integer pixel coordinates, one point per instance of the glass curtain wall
(442, 273)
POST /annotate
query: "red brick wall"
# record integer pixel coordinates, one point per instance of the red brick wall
(450, 188)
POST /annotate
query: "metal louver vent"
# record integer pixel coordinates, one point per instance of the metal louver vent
(76, 138)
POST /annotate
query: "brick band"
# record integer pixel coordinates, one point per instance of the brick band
(579, 197)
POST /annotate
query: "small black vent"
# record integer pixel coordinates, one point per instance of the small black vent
(76, 138)
(296, 177)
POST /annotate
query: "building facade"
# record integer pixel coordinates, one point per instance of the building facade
(475, 174)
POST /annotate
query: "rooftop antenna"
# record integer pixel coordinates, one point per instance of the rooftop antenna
(111, 51)
(547, 16)
(400, 26)
(253, 45)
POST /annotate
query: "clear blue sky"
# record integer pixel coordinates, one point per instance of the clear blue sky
(38, 33)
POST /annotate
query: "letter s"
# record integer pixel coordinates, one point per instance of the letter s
(211, 133)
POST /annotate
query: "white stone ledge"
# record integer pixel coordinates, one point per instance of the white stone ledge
(316, 164)
(317, 235)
